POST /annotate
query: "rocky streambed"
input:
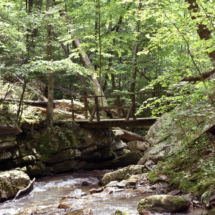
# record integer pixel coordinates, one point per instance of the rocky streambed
(80, 193)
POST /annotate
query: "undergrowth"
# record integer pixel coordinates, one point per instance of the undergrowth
(192, 169)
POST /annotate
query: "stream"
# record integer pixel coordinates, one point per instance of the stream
(49, 191)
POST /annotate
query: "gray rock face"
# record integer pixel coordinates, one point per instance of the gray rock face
(163, 204)
(121, 174)
(166, 141)
(11, 182)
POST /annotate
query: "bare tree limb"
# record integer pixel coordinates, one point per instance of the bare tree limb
(204, 75)
(28, 188)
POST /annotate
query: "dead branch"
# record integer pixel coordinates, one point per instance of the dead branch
(28, 188)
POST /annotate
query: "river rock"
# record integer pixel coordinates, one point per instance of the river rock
(11, 182)
(123, 173)
(75, 194)
(119, 212)
(85, 211)
(112, 184)
(144, 190)
(163, 204)
(175, 192)
(122, 184)
(189, 196)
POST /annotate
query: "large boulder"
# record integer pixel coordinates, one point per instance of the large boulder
(11, 182)
(163, 204)
(166, 137)
(123, 173)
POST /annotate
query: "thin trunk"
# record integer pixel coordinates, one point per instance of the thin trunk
(134, 74)
(100, 53)
(19, 112)
(113, 82)
(105, 82)
(42, 97)
(111, 53)
(49, 110)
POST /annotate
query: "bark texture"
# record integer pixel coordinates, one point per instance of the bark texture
(134, 74)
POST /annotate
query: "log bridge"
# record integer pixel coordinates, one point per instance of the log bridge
(119, 117)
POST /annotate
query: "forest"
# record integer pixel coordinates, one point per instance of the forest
(148, 64)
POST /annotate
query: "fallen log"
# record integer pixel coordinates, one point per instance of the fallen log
(128, 136)
(28, 102)
(28, 188)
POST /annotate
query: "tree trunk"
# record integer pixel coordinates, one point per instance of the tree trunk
(67, 55)
(84, 59)
(49, 110)
(134, 74)
(203, 32)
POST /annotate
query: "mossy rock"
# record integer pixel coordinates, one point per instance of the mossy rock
(36, 170)
(11, 182)
(122, 174)
(118, 212)
(163, 204)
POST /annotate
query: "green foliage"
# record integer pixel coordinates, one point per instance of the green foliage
(192, 169)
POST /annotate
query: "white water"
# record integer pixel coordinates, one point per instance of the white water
(49, 191)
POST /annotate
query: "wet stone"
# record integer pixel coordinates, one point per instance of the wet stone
(86, 211)
(189, 196)
(99, 189)
(112, 184)
(119, 212)
(63, 206)
(132, 181)
(121, 185)
(92, 191)
(75, 194)
(86, 183)
(144, 190)
(175, 192)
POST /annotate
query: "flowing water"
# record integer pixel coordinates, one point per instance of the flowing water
(49, 191)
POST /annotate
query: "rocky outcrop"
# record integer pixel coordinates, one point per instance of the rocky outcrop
(69, 147)
(163, 204)
(167, 135)
(11, 182)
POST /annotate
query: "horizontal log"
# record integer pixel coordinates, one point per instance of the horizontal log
(112, 96)
(28, 102)
(129, 136)
(104, 108)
